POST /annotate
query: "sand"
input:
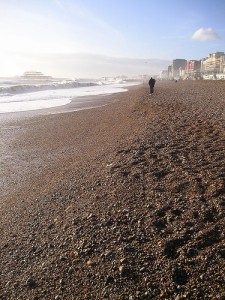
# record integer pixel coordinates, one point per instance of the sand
(124, 201)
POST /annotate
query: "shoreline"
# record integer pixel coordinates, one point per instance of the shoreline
(15, 125)
(83, 97)
(129, 201)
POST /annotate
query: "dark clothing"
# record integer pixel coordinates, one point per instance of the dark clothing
(151, 84)
(151, 89)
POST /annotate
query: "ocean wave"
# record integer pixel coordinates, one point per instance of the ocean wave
(28, 88)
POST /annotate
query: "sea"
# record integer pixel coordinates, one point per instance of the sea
(22, 95)
(22, 99)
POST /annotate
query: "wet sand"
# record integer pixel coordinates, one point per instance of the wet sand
(124, 201)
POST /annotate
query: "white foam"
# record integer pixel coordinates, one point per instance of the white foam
(53, 98)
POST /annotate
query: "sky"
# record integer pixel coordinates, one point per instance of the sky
(95, 38)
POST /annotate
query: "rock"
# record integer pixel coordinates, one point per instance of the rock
(109, 279)
(201, 276)
(63, 258)
(61, 282)
(108, 253)
(91, 262)
(75, 221)
(123, 260)
(142, 269)
(71, 270)
(31, 283)
(222, 253)
(50, 226)
(191, 252)
(124, 271)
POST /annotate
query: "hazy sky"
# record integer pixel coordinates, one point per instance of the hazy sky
(55, 36)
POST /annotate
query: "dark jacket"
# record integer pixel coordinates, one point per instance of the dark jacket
(151, 82)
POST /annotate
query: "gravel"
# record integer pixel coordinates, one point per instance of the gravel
(124, 201)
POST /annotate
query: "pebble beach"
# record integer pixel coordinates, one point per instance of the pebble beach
(121, 202)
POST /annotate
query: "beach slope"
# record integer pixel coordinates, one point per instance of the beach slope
(124, 201)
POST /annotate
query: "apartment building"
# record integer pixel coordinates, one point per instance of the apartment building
(170, 75)
(163, 74)
(222, 64)
(178, 67)
(212, 64)
(211, 67)
(192, 69)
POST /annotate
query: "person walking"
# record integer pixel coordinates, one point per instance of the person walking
(151, 85)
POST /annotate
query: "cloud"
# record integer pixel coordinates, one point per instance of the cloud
(205, 34)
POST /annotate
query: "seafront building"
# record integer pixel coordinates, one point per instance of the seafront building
(192, 69)
(163, 74)
(211, 67)
(34, 75)
(178, 67)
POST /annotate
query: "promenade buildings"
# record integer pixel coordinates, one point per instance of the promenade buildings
(211, 67)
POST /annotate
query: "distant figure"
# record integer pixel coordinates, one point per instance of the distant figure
(151, 85)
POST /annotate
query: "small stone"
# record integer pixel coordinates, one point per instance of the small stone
(162, 294)
(139, 223)
(8, 283)
(75, 254)
(90, 216)
(91, 262)
(63, 258)
(142, 269)
(121, 269)
(123, 260)
(75, 221)
(222, 253)
(50, 226)
(191, 252)
(31, 283)
(71, 270)
(124, 271)
(61, 282)
(109, 279)
(108, 253)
